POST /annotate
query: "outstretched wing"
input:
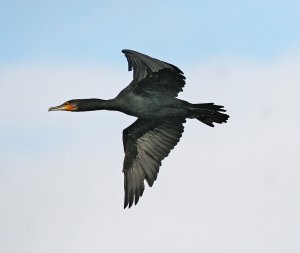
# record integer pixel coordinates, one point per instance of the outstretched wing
(153, 75)
(146, 144)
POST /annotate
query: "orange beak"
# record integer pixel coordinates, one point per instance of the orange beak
(63, 107)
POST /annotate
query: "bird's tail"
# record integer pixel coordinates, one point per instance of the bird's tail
(209, 113)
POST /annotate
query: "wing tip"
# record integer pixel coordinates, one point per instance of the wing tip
(127, 51)
(129, 203)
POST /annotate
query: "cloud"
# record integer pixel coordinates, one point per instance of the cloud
(232, 188)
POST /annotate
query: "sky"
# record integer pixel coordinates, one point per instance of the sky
(233, 188)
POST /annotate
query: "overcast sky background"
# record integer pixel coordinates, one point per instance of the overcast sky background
(233, 188)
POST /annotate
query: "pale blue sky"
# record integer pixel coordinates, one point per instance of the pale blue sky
(231, 189)
(97, 30)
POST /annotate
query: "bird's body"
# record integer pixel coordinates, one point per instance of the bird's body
(158, 106)
(151, 97)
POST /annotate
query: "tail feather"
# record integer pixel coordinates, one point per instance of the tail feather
(209, 113)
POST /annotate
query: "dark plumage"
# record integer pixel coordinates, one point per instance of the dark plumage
(151, 97)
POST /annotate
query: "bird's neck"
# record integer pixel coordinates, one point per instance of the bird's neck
(94, 104)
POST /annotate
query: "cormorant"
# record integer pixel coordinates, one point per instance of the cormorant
(151, 97)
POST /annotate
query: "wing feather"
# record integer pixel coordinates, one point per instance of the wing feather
(153, 75)
(146, 144)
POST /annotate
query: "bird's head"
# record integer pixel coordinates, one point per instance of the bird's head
(71, 106)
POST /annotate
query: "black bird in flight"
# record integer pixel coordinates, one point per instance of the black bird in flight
(151, 97)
